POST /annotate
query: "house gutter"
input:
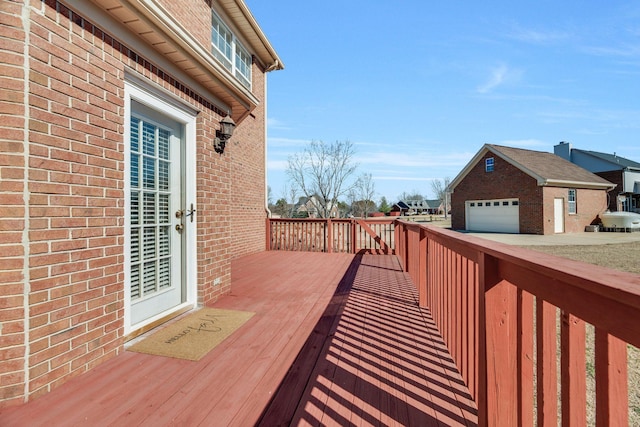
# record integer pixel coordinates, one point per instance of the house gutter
(578, 184)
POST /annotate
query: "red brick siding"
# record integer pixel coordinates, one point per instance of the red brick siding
(195, 15)
(74, 174)
(589, 204)
(76, 209)
(505, 182)
(248, 153)
(12, 203)
(536, 203)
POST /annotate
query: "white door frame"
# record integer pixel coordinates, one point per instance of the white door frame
(155, 98)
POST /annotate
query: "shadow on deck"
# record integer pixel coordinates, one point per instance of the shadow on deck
(374, 358)
(337, 339)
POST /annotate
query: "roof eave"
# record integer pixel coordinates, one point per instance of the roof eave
(577, 184)
(250, 28)
(150, 22)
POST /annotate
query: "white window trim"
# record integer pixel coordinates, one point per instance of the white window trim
(572, 203)
(490, 161)
(236, 47)
(153, 97)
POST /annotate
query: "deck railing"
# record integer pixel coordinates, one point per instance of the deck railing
(331, 235)
(497, 307)
(514, 320)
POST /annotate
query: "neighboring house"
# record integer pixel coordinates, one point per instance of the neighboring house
(312, 206)
(121, 207)
(417, 207)
(400, 208)
(511, 190)
(624, 173)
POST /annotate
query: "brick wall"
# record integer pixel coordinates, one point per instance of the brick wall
(12, 202)
(248, 179)
(506, 181)
(589, 204)
(536, 203)
(62, 164)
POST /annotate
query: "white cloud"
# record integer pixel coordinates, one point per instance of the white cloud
(287, 142)
(538, 36)
(273, 123)
(497, 77)
(414, 159)
(277, 165)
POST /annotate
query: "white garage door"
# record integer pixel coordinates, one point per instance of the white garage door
(501, 216)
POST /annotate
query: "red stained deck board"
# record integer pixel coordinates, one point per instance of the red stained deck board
(381, 364)
(341, 335)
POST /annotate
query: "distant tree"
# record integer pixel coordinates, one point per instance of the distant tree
(413, 195)
(343, 209)
(323, 170)
(290, 194)
(362, 208)
(384, 205)
(440, 189)
(281, 208)
(363, 191)
(269, 195)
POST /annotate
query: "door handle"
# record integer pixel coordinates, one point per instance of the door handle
(179, 228)
(190, 212)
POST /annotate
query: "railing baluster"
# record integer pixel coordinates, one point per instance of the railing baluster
(546, 365)
(492, 305)
(573, 369)
(525, 358)
(611, 380)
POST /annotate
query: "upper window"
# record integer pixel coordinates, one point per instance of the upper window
(572, 201)
(488, 164)
(228, 50)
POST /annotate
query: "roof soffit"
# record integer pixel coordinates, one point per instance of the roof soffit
(150, 22)
(240, 14)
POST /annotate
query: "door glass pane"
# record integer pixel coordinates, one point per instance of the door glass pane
(150, 209)
(149, 172)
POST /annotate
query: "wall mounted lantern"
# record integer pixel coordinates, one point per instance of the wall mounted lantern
(227, 125)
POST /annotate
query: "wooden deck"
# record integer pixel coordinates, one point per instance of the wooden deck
(337, 339)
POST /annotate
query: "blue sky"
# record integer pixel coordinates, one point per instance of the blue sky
(418, 86)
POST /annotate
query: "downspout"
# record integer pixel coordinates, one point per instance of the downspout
(266, 183)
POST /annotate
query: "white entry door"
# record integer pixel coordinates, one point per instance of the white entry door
(558, 215)
(156, 194)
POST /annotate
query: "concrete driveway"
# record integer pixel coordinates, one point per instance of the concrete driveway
(596, 238)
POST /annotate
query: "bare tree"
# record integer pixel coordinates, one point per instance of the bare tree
(440, 189)
(290, 195)
(363, 191)
(321, 172)
(413, 195)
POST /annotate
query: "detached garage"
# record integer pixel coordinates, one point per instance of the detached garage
(512, 190)
(500, 216)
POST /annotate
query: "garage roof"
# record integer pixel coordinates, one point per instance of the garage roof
(547, 168)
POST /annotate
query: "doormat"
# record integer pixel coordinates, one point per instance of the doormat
(193, 336)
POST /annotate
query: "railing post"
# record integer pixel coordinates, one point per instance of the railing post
(497, 403)
(353, 236)
(329, 237)
(422, 268)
